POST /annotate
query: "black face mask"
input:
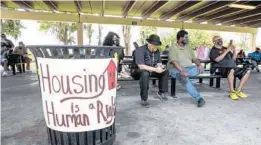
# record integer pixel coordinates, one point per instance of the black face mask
(185, 41)
(20, 47)
(219, 42)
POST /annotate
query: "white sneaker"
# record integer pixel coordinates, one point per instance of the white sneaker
(4, 74)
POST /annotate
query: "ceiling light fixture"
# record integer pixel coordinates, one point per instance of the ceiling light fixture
(242, 6)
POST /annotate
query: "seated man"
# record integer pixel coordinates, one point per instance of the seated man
(147, 63)
(181, 58)
(22, 50)
(223, 63)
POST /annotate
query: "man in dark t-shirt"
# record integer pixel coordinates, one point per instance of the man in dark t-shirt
(147, 62)
(223, 63)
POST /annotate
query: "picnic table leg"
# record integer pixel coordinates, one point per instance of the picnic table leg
(173, 87)
(218, 83)
(23, 68)
(153, 82)
(211, 81)
(235, 83)
(13, 69)
(19, 66)
(200, 80)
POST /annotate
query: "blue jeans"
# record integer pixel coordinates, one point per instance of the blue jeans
(192, 71)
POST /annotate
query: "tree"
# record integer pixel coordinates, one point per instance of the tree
(168, 38)
(11, 28)
(145, 32)
(127, 36)
(89, 30)
(100, 35)
(200, 37)
(244, 42)
(63, 31)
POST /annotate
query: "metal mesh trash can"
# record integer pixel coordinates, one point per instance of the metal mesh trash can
(78, 89)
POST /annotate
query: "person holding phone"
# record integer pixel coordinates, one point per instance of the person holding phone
(147, 62)
(181, 59)
(223, 63)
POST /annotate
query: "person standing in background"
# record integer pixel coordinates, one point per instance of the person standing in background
(113, 39)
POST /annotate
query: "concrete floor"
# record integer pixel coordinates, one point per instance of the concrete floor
(175, 122)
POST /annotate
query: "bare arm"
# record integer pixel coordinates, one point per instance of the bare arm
(220, 57)
(234, 54)
(146, 67)
(197, 62)
(177, 66)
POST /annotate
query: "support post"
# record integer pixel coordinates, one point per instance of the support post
(79, 33)
(253, 43)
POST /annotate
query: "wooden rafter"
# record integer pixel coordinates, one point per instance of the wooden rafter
(78, 5)
(244, 20)
(103, 7)
(27, 5)
(255, 23)
(129, 5)
(208, 7)
(219, 13)
(51, 5)
(3, 4)
(183, 6)
(154, 7)
(241, 15)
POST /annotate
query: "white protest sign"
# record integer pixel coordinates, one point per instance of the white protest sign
(78, 94)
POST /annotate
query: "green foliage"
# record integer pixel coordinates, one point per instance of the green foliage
(63, 31)
(11, 28)
(244, 42)
(168, 38)
(200, 37)
(145, 32)
(89, 31)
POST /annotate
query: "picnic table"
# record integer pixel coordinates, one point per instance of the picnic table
(15, 59)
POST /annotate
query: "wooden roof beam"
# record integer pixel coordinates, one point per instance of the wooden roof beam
(183, 6)
(51, 5)
(255, 23)
(154, 7)
(3, 4)
(238, 16)
(211, 6)
(78, 5)
(244, 20)
(129, 5)
(103, 7)
(27, 5)
(219, 13)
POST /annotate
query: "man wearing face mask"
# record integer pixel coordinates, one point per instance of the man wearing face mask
(223, 63)
(22, 50)
(181, 59)
(147, 62)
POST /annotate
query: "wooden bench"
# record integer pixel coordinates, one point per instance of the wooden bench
(173, 81)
